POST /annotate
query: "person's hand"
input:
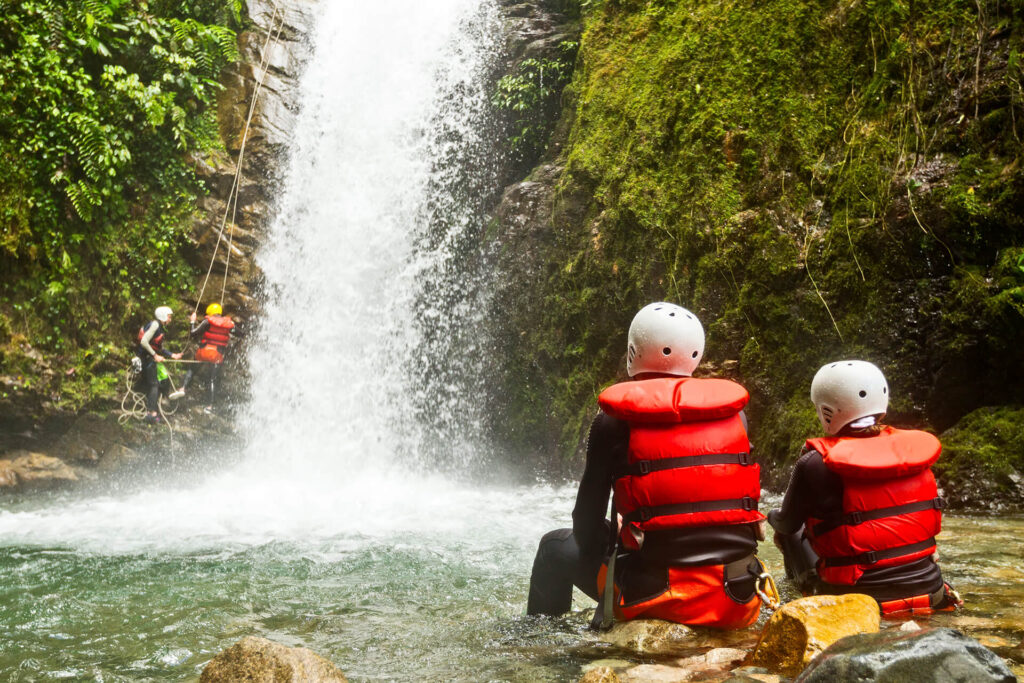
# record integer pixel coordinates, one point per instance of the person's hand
(158, 358)
(192, 318)
(176, 356)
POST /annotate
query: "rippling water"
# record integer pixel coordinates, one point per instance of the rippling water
(89, 591)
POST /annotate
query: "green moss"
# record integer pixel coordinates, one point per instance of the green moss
(815, 180)
(983, 458)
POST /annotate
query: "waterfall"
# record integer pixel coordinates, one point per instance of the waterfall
(367, 282)
(365, 373)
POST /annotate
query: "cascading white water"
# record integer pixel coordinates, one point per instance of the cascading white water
(354, 354)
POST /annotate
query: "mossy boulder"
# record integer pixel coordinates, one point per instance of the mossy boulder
(982, 459)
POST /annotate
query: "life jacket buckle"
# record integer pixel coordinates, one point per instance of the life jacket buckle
(939, 503)
(856, 517)
(645, 514)
(645, 467)
(744, 459)
(749, 503)
(871, 557)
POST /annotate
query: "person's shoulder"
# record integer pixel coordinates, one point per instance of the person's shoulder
(606, 426)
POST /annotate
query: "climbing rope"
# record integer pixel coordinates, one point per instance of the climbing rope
(133, 404)
(232, 204)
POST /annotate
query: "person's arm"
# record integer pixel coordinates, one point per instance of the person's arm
(813, 491)
(607, 438)
(147, 337)
(196, 330)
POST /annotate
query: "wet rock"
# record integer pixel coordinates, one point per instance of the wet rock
(754, 673)
(656, 673)
(600, 674)
(910, 626)
(933, 654)
(803, 628)
(650, 636)
(259, 660)
(24, 469)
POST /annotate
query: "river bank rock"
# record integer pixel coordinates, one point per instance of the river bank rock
(27, 470)
(803, 628)
(259, 660)
(601, 674)
(931, 654)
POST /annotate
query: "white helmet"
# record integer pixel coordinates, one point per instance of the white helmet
(664, 338)
(163, 313)
(846, 391)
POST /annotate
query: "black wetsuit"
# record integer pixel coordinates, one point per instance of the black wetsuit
(568, 557)
(145, 350)
(816, 491)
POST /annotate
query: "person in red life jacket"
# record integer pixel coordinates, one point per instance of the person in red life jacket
(214, 332)
(673, 453)
(150, 351)
(862, 509)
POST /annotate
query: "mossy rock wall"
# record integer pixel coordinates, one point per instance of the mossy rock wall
(817, 180)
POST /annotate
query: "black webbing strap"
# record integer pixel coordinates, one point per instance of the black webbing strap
(645, 513)
(855, 518)
(642, 467)
(874, 556)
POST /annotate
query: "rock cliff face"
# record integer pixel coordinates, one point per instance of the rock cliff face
(274, 52)
(816, 181)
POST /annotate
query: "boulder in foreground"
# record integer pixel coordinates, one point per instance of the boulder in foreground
(258, 660)
(931, 654)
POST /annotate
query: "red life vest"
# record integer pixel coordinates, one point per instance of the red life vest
(689, 465)
(689, 455)
(219, 331)
(891, 507)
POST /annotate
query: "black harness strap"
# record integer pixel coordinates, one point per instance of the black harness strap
(645, 513)
(854, 518)
(642, 467)
(874, 556)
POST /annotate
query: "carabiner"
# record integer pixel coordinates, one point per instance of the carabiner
(768, 591)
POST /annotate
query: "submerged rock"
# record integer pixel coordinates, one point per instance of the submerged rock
(650, 636)
(805, 627)
(259, 660)
(600, 674)
(933, 654)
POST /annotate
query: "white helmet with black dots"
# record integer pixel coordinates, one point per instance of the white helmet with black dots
(664, 338)
(847, 391)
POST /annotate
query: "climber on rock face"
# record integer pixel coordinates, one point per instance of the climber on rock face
(673, 453)
(215, 332)
(150, 352)
(862, 508)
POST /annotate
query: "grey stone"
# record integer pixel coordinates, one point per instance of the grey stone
(933, 654)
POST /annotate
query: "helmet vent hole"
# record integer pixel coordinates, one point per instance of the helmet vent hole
(667, 351)
(694, 354)
(672, 314)
(885, 390)
(863, 393)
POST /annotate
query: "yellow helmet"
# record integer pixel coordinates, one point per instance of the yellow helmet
(214, 309)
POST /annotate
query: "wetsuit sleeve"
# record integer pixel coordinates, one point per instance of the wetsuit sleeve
(813, 491)
(606, 446)
(199, 328)
(147, 337)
